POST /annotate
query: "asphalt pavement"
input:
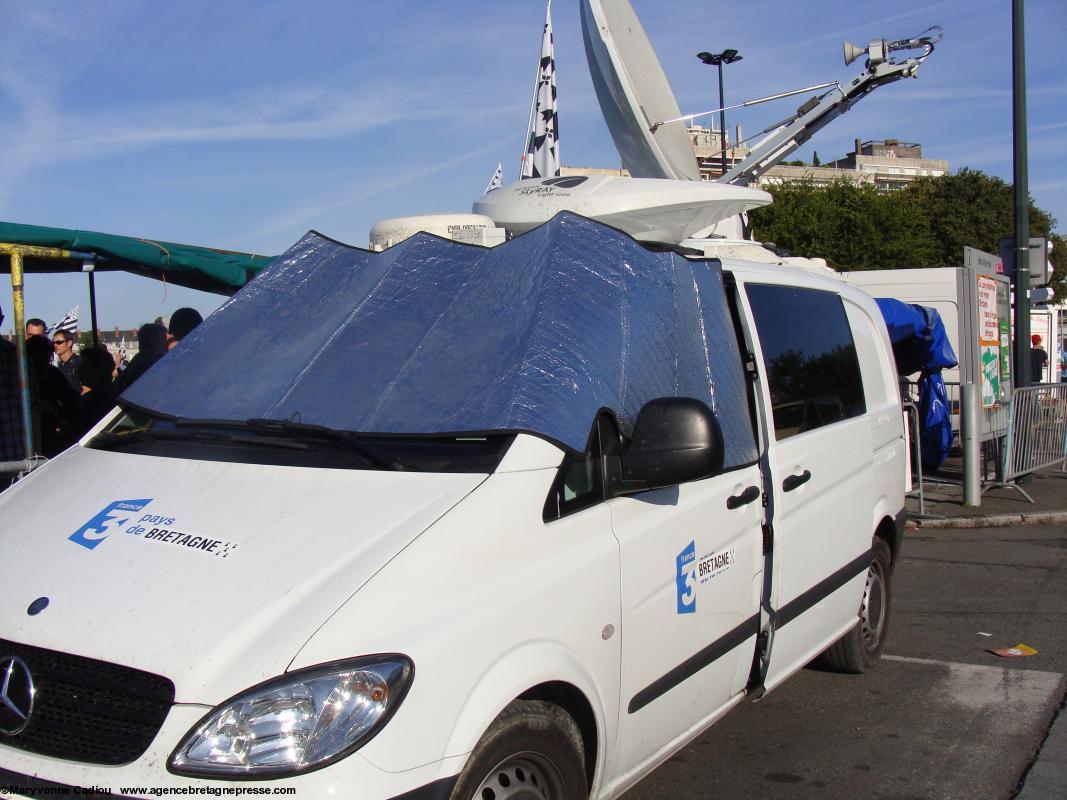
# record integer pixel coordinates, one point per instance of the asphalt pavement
(941, 716)
(1042, 511)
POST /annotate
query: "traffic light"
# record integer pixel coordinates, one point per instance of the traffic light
(1040, 259)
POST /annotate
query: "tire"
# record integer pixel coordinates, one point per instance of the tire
(532, 751)
(860, 649)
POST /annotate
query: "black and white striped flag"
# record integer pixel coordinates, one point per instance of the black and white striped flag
(497, 180)
(69, 323)
(541, 159)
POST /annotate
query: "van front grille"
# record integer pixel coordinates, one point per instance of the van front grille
(87, 710)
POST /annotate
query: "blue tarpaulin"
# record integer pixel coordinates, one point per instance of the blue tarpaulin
(920, 341)
(920, 344)
(434, 337)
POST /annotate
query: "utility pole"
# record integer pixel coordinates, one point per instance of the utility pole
(1022, 201)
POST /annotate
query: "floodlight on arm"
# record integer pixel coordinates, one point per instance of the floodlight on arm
(878, 50)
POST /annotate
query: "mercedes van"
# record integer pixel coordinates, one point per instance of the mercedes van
(447, 521)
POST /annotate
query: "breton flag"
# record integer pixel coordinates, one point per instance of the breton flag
(69, 323)
(122, 349)
(497, 180)
(541, 159)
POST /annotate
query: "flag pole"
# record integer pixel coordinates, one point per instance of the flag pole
(533, 97)
(92, 303)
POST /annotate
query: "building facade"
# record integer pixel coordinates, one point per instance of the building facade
(889, 164)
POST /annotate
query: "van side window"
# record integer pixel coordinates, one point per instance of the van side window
(813, 372)
(580, 481)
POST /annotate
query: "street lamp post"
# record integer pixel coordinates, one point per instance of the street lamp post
(1021, 193)
(718, 59)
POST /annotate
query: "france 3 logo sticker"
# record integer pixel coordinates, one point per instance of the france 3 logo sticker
(686, 579)
(108, 521)
(691, 571)
(115, 515)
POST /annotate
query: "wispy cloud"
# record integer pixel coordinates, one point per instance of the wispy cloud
(43, 136)
(875, 25)
(45, 121)
(300, 217)
(293, 115)
(29, 85)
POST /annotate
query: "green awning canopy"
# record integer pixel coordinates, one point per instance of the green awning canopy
(203, 268)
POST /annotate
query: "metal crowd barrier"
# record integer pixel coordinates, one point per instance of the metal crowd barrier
(953, 392)
(1037, 431)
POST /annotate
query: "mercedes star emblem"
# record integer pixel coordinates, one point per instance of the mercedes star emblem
(16, 695)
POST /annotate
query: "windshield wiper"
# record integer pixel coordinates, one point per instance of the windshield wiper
(109, 440)
(305, 429)
(272, 432)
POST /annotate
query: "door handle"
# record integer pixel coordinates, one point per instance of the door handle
(795, 481)
(749, 495)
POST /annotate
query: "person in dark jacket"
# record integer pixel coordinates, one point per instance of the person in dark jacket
(66, 359)
(1038, 359)
(182, 323)
(56, 400)
(12, 447)
(151, 346)
(100, 395)
(35, 326)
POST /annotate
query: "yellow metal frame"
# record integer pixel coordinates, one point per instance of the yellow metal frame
(18, 252)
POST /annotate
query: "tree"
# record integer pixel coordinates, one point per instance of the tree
(851, 226)
(815, 162)
(977, 210)
(926, 224)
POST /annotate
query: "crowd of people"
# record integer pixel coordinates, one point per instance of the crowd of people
(72, 388)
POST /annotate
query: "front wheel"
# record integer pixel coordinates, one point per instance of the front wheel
(532, 751)
(860, 649)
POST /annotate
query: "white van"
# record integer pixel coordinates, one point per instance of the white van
(292, 561)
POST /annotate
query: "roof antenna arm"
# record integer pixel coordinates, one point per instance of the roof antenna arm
(880, 69)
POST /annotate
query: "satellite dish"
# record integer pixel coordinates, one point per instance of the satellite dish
(655, 211)
(852, 52)
(634, 94)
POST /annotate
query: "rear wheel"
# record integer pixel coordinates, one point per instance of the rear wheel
(860, 649)
(532, 751)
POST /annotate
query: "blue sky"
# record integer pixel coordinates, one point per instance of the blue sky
(241, 124)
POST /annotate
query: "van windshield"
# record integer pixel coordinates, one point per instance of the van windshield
(295, 444)
(439, 338)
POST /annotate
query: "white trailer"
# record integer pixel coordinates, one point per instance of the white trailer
(974, 304)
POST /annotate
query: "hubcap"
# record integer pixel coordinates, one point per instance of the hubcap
(524, 776)
(872, 613)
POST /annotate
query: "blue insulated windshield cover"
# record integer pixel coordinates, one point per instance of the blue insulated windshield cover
(435, 337)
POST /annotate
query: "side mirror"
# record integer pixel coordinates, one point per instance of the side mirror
(675, 440)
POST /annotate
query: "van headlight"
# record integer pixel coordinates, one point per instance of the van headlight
(300, 721)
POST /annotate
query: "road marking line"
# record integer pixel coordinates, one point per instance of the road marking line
(982, 688)
(959, 664)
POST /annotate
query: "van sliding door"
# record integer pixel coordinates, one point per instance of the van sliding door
(819, 451)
